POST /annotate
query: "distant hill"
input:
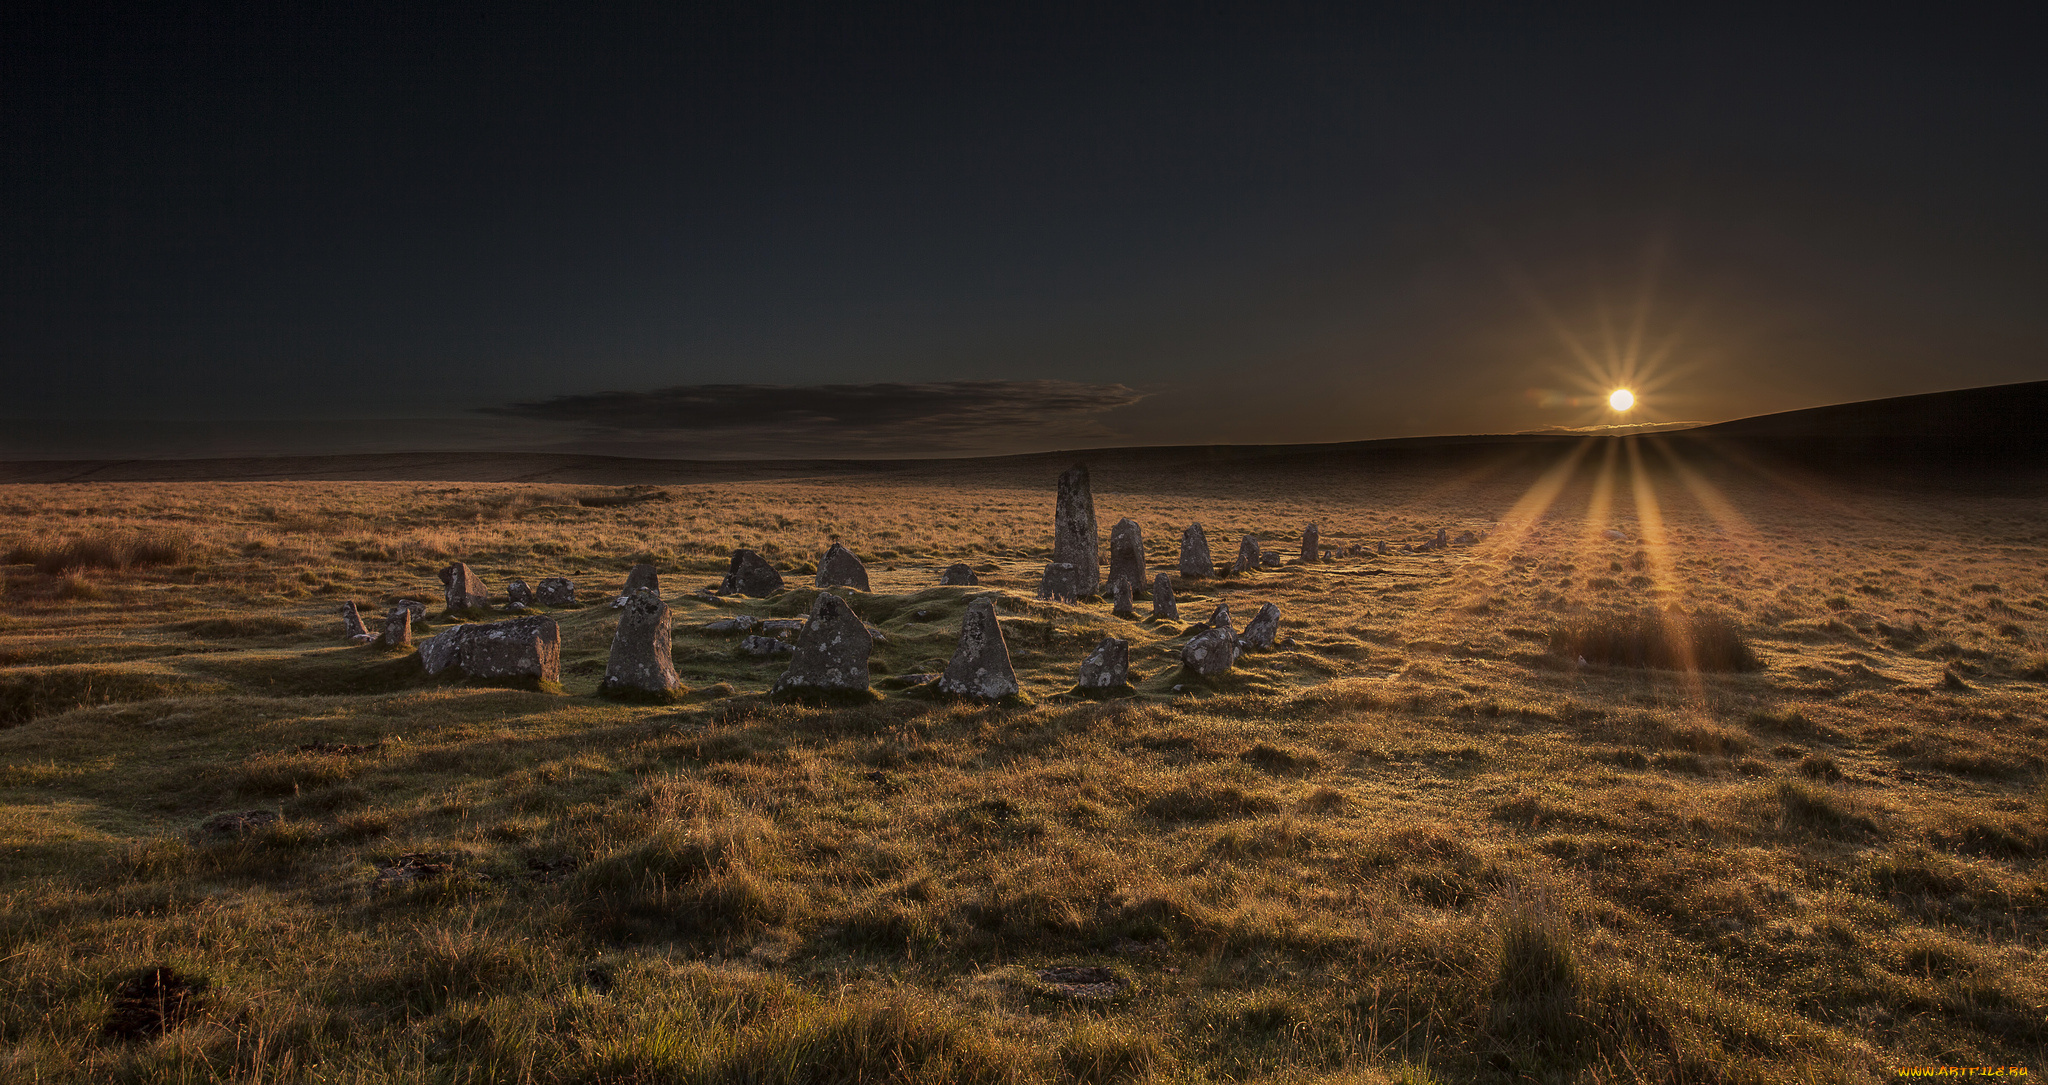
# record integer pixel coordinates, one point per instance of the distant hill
(1983, 430)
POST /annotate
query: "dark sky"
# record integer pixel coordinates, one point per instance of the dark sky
(950, 228)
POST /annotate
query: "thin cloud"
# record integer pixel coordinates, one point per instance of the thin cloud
(861, 419)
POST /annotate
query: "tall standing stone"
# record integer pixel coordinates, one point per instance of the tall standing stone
(1248, 555)
(642, 659)
(1194, 553)
(958, 574)
(831, 653)
(1061, 582)
(1263, 629)
(1123, 607)
(981, 664)
(750, 574)
(1074, 538)
(1127, 554)
(352, 621)
(642, 577)
(1163, 605)
(1311, 544)
(839, 568)
(1108, 666)
(465, 589)
(397, 628)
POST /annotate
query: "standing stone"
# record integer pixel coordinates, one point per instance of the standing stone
(465, 589)
(1123, 607)
(397, 628)
(554, 591)
(518, 594)
(1108, 666)
(1210, 653)
(839, 568)
(1382, 548)
(1074, 539)
(1248, 555)
(518, 648)
(1220, 618)
(641, 659)
(1127, 554)
(352, 621)
(1194, 553)
(1163, 605)
(1311, 544)
(1061, 582)
(981, 665)
(642, 576)
(958, 575)
(1264, 627)
(832, 652)
(750, 574)
(1443, 539)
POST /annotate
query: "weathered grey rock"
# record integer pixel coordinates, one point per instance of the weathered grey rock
(1220, 618)
(1311, 544)
(763, 647)
(529, 647)
(832, 654)
(419, 610)
(555, 591)
(1466, 538)
(1263, 629)
(782, 628)
(1210, 653)
(518, 594)
(642, 659)
(1443, 539)
(750, 574)
(1074, 538)
(1060, 582)
(839, 568)
(1127, 554)
(465, 589)
(1269, 558)
(738, 623)
(397, 628)
(957, 575)
(1108, 666)
(642, 576)
(1248, 552)
(981, 664)
(1163, 605)
(1123, 607)
(1194, 553)
(352, 621)
(1382, 548)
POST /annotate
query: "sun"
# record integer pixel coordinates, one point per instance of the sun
(1622, 399)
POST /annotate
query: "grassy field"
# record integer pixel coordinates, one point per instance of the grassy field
(1419, 841)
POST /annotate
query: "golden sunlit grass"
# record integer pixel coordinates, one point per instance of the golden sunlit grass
(1786, 822)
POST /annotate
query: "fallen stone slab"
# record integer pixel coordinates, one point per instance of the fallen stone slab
(958, 575)
(765, 647)
(555, 591)
(738, 623)
(419, 610)
(528, 647)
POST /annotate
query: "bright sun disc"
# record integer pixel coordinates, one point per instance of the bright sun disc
(1622, 399)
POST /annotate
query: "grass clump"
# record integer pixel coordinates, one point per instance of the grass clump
(1670, 640)
(100, 549)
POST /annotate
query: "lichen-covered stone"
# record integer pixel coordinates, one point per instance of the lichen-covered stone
(763, 647)
(1127, 554)
(1210, 653)
(738, 623)
(958, 575)
(642, 659)
(980, 668)
(1163, 605)
(419, 610)
(831, 653)
(643, 577)
(529, 647)
(1108, 666)
(1060, 582)
(465, 590)
(750, 574)
(1260, 632)
(1220, 618)
(1124, 607)
(1074, 538)
(518, 594)
(1194, 553)
(839, 568)
(555, 591)
(397, 628)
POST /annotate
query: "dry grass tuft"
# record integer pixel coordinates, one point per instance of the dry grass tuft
(1669, 640)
